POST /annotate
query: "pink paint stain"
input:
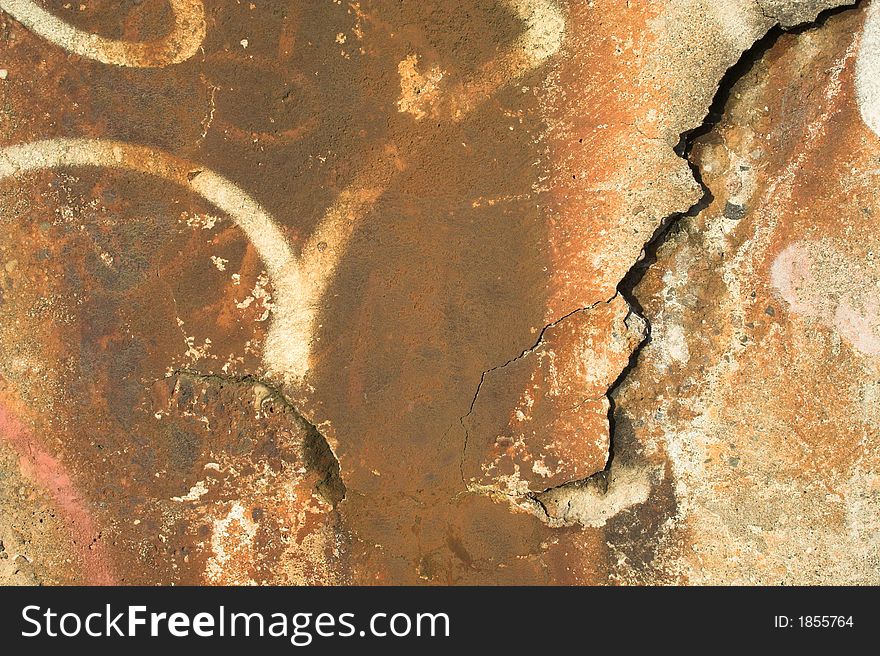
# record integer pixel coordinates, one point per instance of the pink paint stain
(803, 281)
(48, 472)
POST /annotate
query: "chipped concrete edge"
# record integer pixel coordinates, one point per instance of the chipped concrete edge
(591, 501)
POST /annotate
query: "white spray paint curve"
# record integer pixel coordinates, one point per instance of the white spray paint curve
(179, 45)
(287, 343)
(299, 282)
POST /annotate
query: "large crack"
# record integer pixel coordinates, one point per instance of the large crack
(599, 484)
(687, 139)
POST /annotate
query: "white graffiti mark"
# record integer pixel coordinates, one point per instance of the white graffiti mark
(298, 282)
(821, 283)
(868, 70)
(287, 344)
(542, 38)
(179, 45)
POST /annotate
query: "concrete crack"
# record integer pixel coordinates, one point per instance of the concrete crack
(522, 354)
(590, 501)
(601, 481)
(763, 10)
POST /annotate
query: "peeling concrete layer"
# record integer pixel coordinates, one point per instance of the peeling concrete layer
(376, 345)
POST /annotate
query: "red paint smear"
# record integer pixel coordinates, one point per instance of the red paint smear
(51, 475)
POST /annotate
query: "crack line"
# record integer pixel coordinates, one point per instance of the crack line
(648, 254)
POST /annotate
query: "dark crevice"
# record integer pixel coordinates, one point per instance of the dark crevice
(626, 288)
(683, 149)
(317, 452)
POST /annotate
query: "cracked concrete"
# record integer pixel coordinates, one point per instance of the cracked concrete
(761, 414)
(541, 420)
(311, 392)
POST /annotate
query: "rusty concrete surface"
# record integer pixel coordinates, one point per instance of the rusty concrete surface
(438, 292)
(759, 384)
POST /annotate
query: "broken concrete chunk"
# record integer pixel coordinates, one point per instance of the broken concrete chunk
(542, 420)
(592, 502)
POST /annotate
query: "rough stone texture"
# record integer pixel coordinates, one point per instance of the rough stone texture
(336, 292)
(759, 384)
